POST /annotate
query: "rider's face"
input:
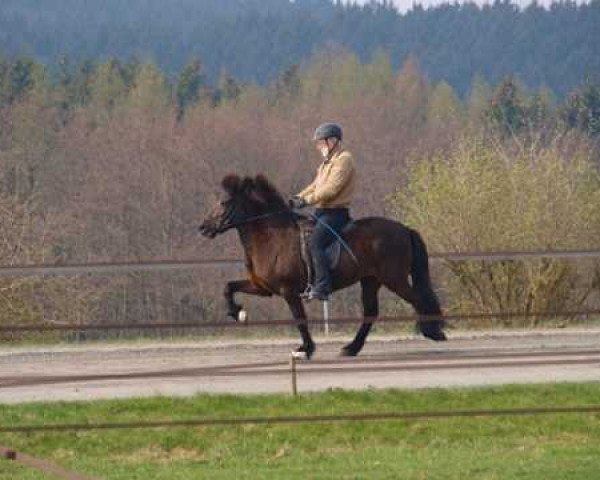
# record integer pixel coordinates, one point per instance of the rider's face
(322, 147)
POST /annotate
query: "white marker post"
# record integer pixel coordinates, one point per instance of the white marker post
(326, 316)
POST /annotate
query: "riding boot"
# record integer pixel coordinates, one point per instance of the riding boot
(322, 283)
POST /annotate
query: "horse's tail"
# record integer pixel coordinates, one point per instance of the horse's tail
(428, 303)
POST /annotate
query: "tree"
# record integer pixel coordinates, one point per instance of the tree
(150, 90)
(444, 108)
(190, 82)
(380, 74)
(541, 110)
(19, 77)
(478, 100)
(30, 132)
(108, 89)
(228, 89)
(508, 109)
(73, 84)
(411, 93)
(582, 108)
(288, 85)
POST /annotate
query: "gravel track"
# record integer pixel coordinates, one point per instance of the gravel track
(29, 374)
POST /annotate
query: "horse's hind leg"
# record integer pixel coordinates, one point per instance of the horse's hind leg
(425, 303)
(370, 288)
(299, 314)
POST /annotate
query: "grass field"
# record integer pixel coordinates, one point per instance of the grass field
(544, 447)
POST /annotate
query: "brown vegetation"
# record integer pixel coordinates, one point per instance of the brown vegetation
(126, 172)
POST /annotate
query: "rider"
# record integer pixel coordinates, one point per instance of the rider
(331, 193)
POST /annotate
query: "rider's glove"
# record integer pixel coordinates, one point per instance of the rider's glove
(297, 202)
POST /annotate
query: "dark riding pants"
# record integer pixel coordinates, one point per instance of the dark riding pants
(322, 237)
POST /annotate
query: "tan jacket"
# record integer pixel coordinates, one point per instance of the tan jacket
(334, 184)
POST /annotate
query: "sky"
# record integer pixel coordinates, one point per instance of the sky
(404, 5)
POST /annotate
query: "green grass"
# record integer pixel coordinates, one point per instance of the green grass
(544, 447)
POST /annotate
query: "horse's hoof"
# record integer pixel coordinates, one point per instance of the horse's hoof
(433, 331)
(306, 350)
(234, 314)
(437, 336)
(242, 317)
(349, 351)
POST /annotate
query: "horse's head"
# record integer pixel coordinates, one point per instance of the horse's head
(243, 200)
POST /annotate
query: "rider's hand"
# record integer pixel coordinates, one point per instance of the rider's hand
(297, 202)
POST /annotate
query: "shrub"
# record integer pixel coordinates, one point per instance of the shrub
(484, 196)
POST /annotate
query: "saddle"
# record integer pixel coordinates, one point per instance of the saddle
(333, 252)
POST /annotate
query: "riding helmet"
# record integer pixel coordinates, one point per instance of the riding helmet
(327, 130)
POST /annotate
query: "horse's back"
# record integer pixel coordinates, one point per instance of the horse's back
(379, 244)
(371, 227)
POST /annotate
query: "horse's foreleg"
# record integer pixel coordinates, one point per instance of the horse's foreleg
(242, 286)
(299, 314)
(370, 288)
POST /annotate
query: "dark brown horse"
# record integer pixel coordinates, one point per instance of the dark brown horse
(387, 253)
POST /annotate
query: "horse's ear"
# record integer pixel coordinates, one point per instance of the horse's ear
(263, 184)
(253, 191)
(231, 183)
(246, 185)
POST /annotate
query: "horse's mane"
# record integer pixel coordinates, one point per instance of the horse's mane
(257, 188)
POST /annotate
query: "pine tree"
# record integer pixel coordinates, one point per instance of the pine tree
(19, 77)
(508, 109)
(289, 84)
(190, 83)
(582, 108)
(228, 89)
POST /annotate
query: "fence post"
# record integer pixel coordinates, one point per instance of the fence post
(293, 357)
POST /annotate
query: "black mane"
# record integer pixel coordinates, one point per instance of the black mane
(257, 188)
(268, 191)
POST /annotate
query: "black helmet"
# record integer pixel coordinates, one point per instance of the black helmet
(327, 130)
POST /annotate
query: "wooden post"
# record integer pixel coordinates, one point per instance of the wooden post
(293, 357)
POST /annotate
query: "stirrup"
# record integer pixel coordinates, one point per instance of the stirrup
(306, 292)
(310, 294)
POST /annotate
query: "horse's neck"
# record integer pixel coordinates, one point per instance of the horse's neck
(263, 242)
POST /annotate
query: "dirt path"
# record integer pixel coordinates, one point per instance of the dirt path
(120, 371)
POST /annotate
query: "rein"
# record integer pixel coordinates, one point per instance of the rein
(258, 217)
(336, 235)
(311, 215)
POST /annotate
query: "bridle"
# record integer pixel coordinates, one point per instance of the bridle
(258, 217)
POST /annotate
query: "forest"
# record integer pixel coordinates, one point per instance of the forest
(254, 40)
(111, 161)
